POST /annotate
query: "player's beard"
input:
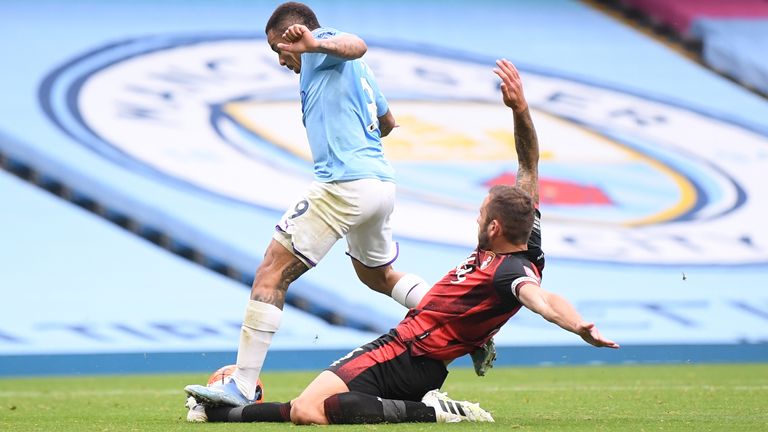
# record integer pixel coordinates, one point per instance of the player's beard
(483, 241)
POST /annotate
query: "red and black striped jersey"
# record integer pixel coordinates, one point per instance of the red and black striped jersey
(469, 304)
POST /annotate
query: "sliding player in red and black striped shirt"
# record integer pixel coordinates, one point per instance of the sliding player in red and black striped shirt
(394, 378)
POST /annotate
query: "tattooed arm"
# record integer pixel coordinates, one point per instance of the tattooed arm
(346, 46)
(526, 142)
(527, 146)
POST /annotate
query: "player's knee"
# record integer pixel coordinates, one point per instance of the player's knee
(305, 412)
(266, 277)
(264, 283)
(277, 271)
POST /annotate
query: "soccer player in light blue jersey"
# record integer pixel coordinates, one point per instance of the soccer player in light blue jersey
(344, 111)
(353, 194)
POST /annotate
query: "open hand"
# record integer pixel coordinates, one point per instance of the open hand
(592, 336)
(511, 85)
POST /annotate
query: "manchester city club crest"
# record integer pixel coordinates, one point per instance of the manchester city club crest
(625, 178)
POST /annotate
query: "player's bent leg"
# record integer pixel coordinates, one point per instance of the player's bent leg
(380, 279)
(309, 407)
(372, 249)
(410, 289)
(406, 288)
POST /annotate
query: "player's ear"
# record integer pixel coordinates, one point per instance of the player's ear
(495, 228)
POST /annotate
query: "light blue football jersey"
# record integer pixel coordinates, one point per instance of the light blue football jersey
(340, 104)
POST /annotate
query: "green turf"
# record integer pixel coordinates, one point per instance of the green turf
(599, 398)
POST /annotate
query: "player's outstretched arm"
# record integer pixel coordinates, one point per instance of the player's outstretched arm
(301, 40)
(526, 141)
(559, 311)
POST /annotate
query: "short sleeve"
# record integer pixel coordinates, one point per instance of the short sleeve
(517, 283)
(513, 273)
(381, 104)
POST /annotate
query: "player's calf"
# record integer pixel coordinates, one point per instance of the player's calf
(361, 408)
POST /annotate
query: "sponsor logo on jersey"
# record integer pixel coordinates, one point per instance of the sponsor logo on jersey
(624, 178)
(466, 267)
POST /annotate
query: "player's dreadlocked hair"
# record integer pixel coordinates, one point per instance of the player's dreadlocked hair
(291, 13)
(513, 208)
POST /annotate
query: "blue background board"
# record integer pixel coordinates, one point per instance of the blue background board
(286, 359)
(667, 244)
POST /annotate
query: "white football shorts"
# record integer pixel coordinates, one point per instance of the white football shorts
(359, 210)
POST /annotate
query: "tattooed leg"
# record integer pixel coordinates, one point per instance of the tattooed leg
(264, 313)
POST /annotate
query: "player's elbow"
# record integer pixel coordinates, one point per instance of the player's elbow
(360, 48)
(355, 46)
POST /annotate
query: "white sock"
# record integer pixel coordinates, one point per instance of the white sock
(409, 290)
(259, 325)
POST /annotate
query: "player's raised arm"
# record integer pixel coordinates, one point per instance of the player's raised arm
(558, 310)
(345, 45)
(526, 142)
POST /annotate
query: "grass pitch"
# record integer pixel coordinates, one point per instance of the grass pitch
(596, 398)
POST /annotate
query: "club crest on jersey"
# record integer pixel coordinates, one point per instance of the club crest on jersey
(624, 178)
(489, 257)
